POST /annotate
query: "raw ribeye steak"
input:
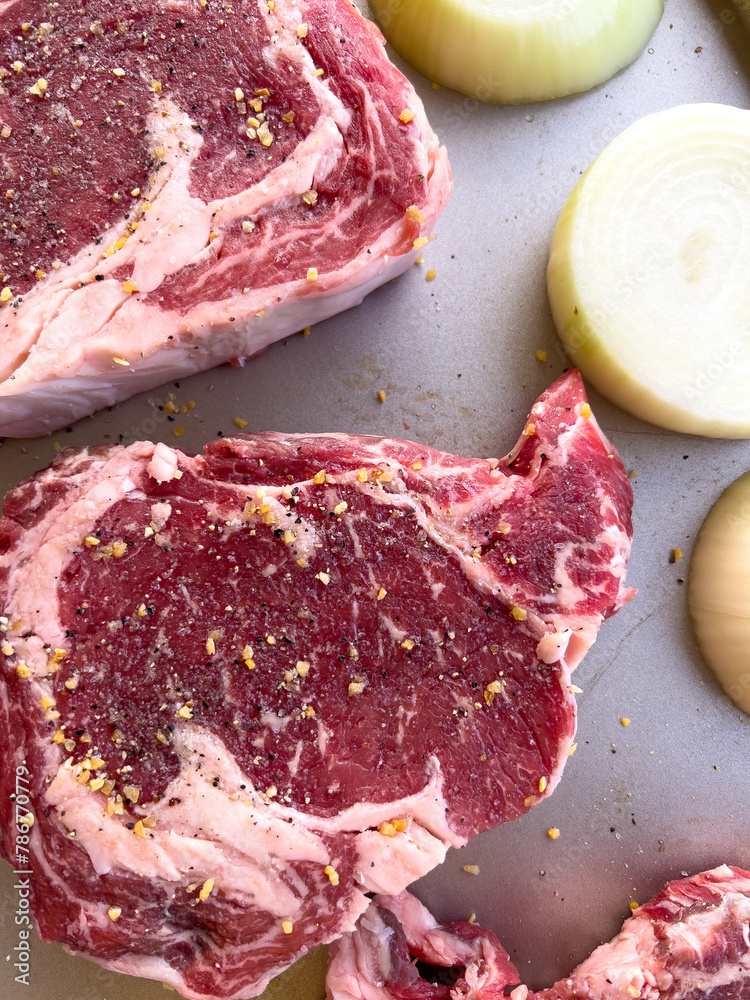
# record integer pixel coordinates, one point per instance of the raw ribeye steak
(252, 685)
(690, 942)
(187, 182)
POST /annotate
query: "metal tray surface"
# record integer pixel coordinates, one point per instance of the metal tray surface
(456, 357)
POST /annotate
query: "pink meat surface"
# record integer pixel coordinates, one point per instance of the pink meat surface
(178, 174)
(376, 961)
(690, 942)
(291, 670)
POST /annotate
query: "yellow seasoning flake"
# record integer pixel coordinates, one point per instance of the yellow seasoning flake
(573, 749)
(431, 275)
(422, 241)
(333, 875)
(541, 356)
(48, 702)
(302, 30)
(114, 912)
(356, 687)
(118, 72)
(239, 94)
(529, 801)
(23, 672)
(493, 688)
(287, 926)
(265, 135)
(542, 784)
(156, 86)
(129, 286)
(17, 66)
(121, 361)
(529, 430)
(6, 134)
(632, 991)
(7, 648)
(340, 507)
(553, 833)
(586, 411)
(184, 713)
(319, 478)
(96, 784)
(518, 613)
(91, 541)
(381, 395)
(210, 646)
(240, 422)
(633, 905)
(6, 294)
(406, 116)
(139, 830)
(414, 214)
(416, 466)
(39, 88)
(624, 721)
(206, 890)
(676, 555)
(381, 593)
(471, 869)
(387, 829)
(310, 197)
(312, 274)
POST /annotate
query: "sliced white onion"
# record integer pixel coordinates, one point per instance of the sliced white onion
(649, 272)
(719, 591)
(514, 51)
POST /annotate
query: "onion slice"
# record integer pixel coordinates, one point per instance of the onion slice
(515, 51)
(719, 591)
(648, 277)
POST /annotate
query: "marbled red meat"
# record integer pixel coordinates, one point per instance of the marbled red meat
(288, 671)
(690, 942)
(174, 172)
(377, 960)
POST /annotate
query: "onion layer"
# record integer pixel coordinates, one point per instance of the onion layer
(648, 276)
(719, 591)
(515, 51)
